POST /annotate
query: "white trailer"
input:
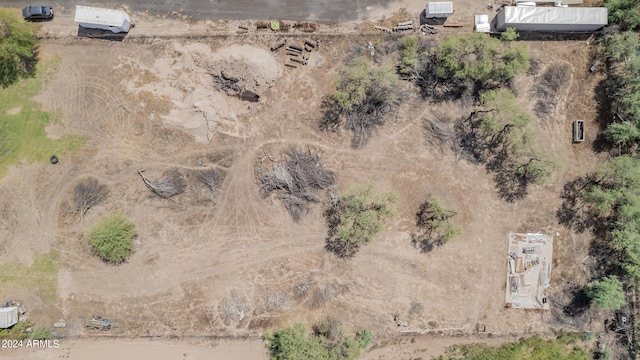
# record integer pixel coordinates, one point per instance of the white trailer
(116, 21)
(8, 317)
(438, 10)
(548, 18)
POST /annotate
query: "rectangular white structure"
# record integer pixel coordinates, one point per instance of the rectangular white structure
(116, 21)
(481, 23)
(438, 10)
(8, 317)
(552, 18)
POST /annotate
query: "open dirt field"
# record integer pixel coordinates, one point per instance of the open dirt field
(151, 105)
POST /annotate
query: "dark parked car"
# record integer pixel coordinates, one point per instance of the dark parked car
(34, 13)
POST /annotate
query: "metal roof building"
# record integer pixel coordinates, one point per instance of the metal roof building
(439, 10)
(104, 19)
(547, 18)
(8, 317)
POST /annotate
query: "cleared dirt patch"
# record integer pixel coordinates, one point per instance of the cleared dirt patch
(230, 261)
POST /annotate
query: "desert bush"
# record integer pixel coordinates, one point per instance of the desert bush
(561, 348)
(621, 46)
(112, 240)
(41, 333)
(18, 48)
(614, 197)
(295, 343)
(356, 217)
(624, 12)
(509, 35)
(498, 134)
(409, 59)
(87, 194)
(365, 95)
(485, 61)
(433, 220)
(297, 181)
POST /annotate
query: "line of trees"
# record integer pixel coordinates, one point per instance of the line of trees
(18, 48)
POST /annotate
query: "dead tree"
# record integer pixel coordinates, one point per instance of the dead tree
(172, 184)
(297, 180)
(87, 194)
(211, 178)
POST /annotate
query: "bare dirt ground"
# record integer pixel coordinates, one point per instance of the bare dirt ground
(150, 104)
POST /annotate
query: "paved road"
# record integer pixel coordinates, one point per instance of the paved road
(317, 10)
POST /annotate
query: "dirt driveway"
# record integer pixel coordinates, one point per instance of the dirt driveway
(150, 104)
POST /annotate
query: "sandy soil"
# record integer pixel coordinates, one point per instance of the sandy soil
(149, 103)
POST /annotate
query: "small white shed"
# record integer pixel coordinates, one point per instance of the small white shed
(439, 10)
(116, 21)
(8, 317)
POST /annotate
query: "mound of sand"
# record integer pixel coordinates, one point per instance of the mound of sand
(184, 75)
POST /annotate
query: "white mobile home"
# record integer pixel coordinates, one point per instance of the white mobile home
(116, 21)
(438, 10)
(543, 18)
(8, 317)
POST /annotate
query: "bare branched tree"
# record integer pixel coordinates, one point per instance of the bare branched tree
(172, 184)
(87, 194)
(297, 180)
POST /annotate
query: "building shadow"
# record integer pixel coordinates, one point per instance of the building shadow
(100, 34)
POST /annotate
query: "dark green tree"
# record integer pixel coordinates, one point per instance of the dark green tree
(607, 293)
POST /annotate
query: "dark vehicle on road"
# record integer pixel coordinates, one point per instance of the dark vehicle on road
(35, 13)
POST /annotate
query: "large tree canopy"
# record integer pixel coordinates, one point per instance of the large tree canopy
(18, 48)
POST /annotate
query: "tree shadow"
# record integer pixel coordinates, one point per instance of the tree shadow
(510, 185)
(605, 115)
(571, 212)
(422, 242)
(342, 249)
(330, 120)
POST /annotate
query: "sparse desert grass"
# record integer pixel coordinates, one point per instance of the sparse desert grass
(41, 277)
(22, 123)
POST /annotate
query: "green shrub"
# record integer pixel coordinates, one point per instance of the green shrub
(294, 343)
(409, 60)
(41, 333)
(363, 213)
(112, 240)
(509, 35)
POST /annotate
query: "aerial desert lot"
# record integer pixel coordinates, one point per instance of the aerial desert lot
(148, 105)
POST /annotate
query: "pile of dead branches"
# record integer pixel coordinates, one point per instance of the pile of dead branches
(297, 180)
(211, 178)
(87, 194)
(227, 82)
(172, 184)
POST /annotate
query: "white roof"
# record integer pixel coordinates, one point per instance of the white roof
(8, 317)
(440, 8)
(93, 15)
(555, 15)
